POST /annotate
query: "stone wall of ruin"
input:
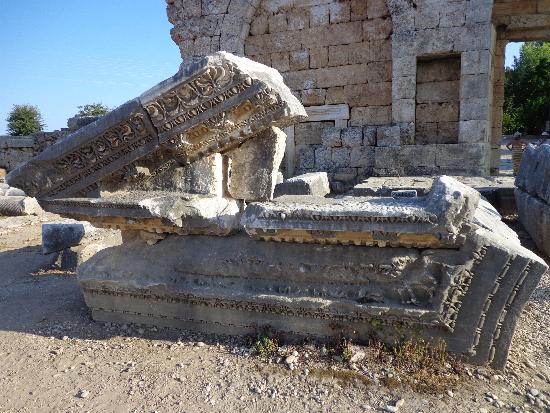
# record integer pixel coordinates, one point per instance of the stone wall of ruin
(423, 77)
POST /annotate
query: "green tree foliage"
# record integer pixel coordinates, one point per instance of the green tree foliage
(527, 89)
(92, 109)
(24, 120)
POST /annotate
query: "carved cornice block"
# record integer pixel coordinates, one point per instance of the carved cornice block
(211, 106)
(160, 212)
(438, 220)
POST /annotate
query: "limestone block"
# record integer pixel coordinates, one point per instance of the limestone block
(18, 205)
(473, 131)
(204, 176)
(305, 156)
(474, 86)
(319, 15)
(375, 29)
(437, 112)
(442, 91)
(335, 95)
(76, 122)
(339, 12)
(314, 183)
(358, 10)
(313, 97)
(318, 57)
(299, 60)
(369, 135)
(341, 156)
(153, 211)
(403, 110)
(437, 220)
(534, 172)
(331, 137)
(427, 18)
(280, 61)
(57, 236)
(372, 115)
(379, 71)
(352, 136)
(254, 166)
(209, 106)
(377, 8)
(310, 133)
(407, 133)
(323, 159)
(474, 109)
(388, 136)
(338, 55)
(362, 157)
(14, 192)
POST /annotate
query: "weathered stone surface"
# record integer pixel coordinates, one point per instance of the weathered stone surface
(254, 166)
(437, 220)
(210, 106)
(162, 212)
(18, 205)
(314, 183)
(59, 236)
(498, 190)
(532, 194)
(470, 296)
(77, 122)
(534, 172)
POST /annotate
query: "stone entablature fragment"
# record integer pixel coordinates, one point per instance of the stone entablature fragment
(209, 107)
(438, 220)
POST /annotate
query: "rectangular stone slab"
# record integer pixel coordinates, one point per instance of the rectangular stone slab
(209, 107)
(437, 220)
(161, 212)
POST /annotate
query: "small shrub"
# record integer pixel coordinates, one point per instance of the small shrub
(92, 109)
(24, 120)
(265, 345)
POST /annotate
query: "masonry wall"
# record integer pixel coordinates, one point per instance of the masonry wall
(15, 150)
(360, 69)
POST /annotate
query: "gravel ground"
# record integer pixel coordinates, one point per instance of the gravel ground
(53, 357)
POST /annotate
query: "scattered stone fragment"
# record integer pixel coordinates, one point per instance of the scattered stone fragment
(291, 359)
(83, 394)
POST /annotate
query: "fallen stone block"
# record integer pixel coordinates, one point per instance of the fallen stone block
(161, 212)
(437, 220)
(471, 296)
(19, 205)
(60, 236)
(254, 166)
(498, 190)
(14, 192)
(314, 183)
(211, 106)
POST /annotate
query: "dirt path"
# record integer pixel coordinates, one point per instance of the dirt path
(54, 358)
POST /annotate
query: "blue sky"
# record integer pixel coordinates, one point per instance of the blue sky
(59, 54)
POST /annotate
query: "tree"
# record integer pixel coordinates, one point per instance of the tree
(527, 89)
(92, 109)
(24, 120)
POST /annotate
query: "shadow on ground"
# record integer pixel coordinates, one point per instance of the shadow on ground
(36, 298)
